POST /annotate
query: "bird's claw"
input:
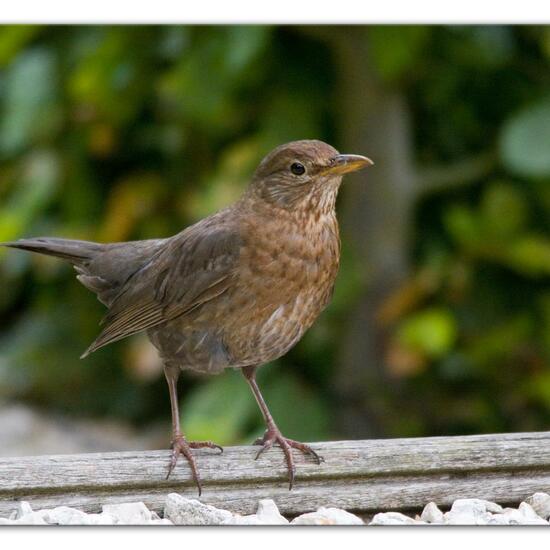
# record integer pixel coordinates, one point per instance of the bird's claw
(274, 436)
(180, 446)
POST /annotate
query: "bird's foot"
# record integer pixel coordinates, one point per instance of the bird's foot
(273, 435)
(180, 446)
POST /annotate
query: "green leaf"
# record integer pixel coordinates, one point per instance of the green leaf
(227, 182)
(244, 45)
(204, 85)
(397, 48)
(432, 332)
(530, 255)
(525, 141)
(463, 225)
(13, 38)
(289, 116)
(489, 348)
(483, 46)
(300, 412)
(504, 210)
(28, 108)
(36, 187)
(219, 409)
(538, 387)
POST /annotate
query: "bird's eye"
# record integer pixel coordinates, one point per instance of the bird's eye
(297, 168)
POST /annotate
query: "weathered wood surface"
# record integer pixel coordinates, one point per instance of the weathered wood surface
(361, 476)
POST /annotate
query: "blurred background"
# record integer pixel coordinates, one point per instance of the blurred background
(440, 323)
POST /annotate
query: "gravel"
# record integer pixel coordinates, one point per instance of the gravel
(178, 510)
(471, 511)
(432, 514)
(328, 516)
(540, 503)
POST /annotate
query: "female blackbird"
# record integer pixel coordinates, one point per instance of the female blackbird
(237, 289)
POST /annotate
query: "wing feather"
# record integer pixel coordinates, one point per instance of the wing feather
(194, 267)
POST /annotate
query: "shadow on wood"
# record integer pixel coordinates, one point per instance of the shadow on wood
(361, 476)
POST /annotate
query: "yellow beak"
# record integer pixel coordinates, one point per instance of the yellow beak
(342, 164)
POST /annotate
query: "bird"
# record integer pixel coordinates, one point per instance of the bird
(238, 289)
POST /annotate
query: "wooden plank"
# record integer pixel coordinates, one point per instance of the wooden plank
(362, 476)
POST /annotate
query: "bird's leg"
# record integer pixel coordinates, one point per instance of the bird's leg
(180, 445)
(273, 434)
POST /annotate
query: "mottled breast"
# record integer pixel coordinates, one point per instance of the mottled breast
(286, 278)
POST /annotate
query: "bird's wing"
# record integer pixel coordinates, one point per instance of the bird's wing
(192, 268)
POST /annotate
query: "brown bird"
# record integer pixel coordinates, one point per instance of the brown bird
(237, 289)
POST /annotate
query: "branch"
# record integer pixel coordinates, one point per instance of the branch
(463, 172)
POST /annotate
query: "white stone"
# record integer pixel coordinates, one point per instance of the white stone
(327, 516)
(540, 503)
(185, 511)
(63, 515)
(268, 513)
(502, 519)
(479, 512)
(465, 518)
(23, 508)
(34, 518)
(432, 514)
(102, 519)
(475, 505)
(394, 518)
(527, 516)
(511, 516)
(472, 511)
(129, 513)
(160, 521)
(243, 520)
(528, 511)
(24, 515)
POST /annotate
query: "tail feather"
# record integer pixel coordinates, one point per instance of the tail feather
(102, 268)
(68, 249)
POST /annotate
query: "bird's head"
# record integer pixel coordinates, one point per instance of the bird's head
(303, 173)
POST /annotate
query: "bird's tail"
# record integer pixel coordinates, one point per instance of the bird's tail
(77, 252)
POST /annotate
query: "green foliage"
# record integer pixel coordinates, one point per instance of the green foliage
(498, 231)
(38, 178)
(431, 332)
(504, 209)
(29, 114)
(525, 141)
(12, 40)
(220, 410)
(303, 412)
(224, 409)
(396, 50)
